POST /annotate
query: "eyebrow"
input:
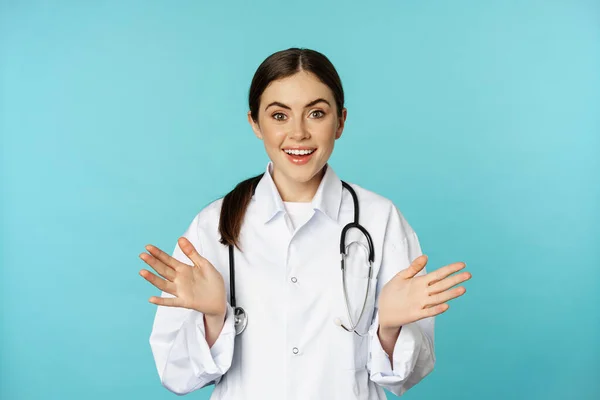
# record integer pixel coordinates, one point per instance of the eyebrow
(312, 103)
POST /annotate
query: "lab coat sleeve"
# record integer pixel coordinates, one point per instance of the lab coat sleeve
(413, 354)
(183, 358)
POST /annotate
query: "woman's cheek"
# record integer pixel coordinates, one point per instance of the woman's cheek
(274, 136)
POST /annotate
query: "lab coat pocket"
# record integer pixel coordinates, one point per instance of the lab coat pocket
(356, 261)
(356, 347)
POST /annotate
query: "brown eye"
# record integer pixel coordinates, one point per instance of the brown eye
(317, 114)
(279, 116)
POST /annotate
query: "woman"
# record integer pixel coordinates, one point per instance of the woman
(305, 337)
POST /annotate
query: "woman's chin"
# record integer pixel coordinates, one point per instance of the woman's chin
(298, 173)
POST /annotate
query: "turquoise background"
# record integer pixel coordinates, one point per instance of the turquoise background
(481, 120)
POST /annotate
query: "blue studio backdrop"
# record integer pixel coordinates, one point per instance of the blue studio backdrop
(120, 120)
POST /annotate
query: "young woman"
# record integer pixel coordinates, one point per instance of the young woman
(306, 329)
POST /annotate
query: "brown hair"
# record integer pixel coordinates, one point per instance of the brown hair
(277, 66)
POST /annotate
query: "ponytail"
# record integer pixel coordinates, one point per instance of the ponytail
(233, 211)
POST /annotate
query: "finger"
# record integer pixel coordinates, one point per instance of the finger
(160, 283)
(433, 311)
(446, 296)
(164, 257)
(441, 273)
(448, 282)
(158, 266)
(415, 267)
(190, 251)
(164, 301)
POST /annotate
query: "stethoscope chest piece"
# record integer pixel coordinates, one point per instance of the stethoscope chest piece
(240, 320)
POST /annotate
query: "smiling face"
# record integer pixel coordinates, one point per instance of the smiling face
(298, 123)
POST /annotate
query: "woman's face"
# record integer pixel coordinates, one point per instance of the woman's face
(298, 123)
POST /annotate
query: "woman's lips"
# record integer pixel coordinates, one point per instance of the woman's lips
(299, 160)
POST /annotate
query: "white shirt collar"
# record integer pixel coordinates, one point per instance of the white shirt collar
(327, 199)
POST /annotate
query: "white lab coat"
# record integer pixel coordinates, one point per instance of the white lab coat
(289, 282)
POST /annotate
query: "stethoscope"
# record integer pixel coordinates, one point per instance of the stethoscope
(240, 316)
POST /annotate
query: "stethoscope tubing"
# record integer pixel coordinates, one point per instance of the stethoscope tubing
(241, 318)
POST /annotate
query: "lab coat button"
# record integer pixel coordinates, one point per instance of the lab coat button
(295, 350)
(294, 279)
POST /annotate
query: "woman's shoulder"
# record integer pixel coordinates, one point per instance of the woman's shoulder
(211, 212)
(372, 200)
(206, 221)
(376, 206)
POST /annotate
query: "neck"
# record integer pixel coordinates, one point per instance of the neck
(294, 191)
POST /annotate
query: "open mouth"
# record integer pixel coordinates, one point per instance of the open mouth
(299, 156)
(299, 152)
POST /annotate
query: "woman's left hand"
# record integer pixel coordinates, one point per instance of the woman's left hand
(408, 298)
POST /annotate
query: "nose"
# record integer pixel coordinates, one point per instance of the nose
(298, 130)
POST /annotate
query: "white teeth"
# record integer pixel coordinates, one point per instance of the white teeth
(299, 152)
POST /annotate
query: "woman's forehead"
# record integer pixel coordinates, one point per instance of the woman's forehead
(296, 90)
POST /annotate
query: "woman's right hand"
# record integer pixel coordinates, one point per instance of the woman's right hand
(199, 287)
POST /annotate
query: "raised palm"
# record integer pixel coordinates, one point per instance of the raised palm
(198, 287)
(408, 298)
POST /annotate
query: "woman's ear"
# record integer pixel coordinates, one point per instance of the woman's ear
(255, 126)
(341, 124)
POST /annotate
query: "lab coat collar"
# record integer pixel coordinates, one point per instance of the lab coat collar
(327, 199)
